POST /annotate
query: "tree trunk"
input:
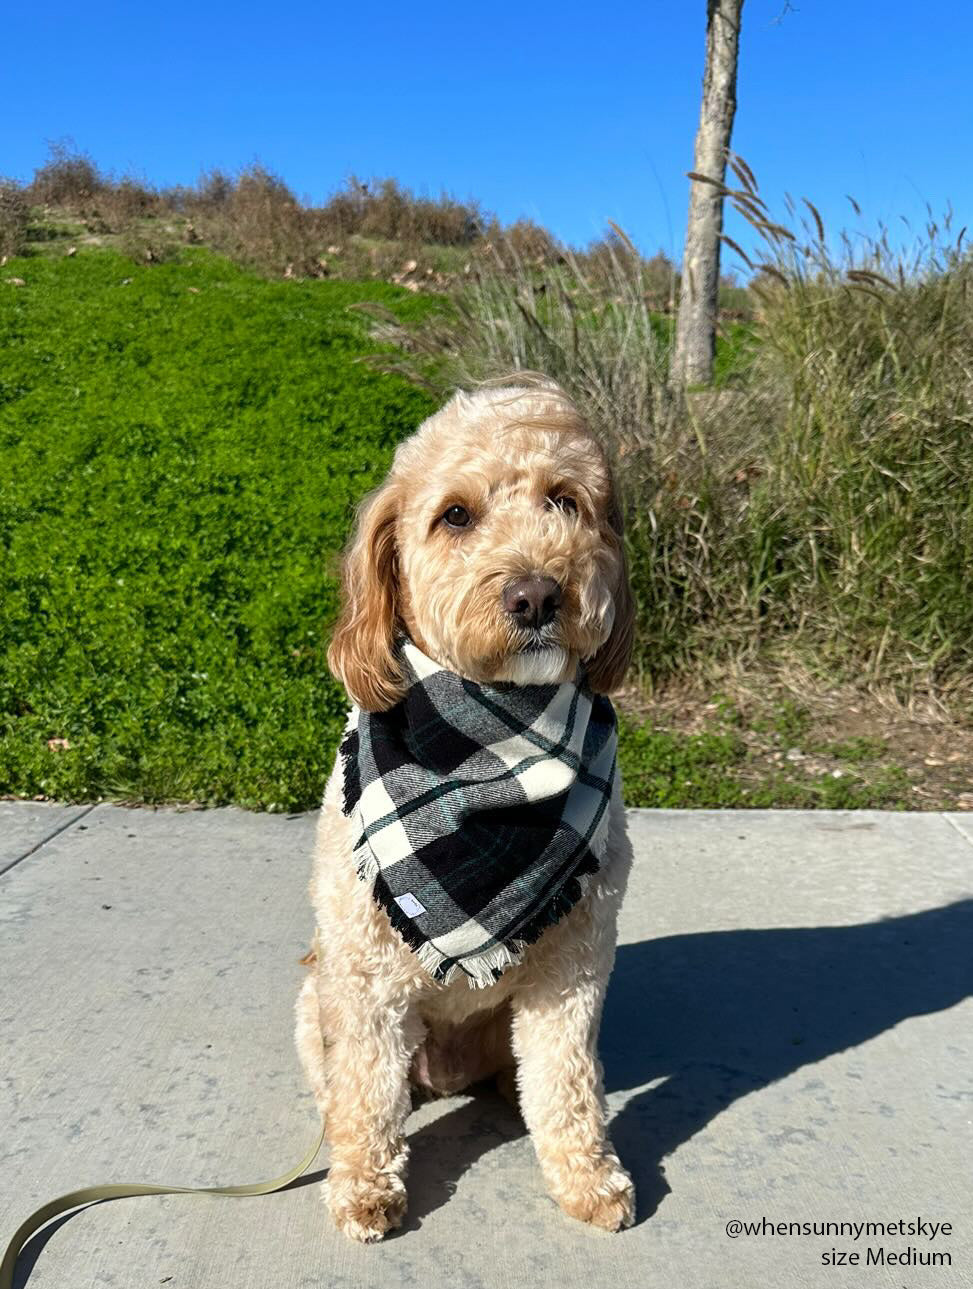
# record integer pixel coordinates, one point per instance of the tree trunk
(692, 358)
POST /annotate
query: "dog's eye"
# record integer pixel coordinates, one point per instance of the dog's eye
(457, 517)
(563, 502)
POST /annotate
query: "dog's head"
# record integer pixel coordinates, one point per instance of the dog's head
(495, 544)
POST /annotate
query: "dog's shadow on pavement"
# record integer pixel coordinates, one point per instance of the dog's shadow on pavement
(710, 1017)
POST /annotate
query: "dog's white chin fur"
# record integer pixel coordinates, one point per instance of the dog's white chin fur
(550, 666)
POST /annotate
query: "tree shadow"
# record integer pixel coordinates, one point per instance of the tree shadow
(712, 1016)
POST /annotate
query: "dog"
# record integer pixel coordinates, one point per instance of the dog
(495, 546)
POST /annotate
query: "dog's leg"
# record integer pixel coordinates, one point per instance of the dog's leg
(310, 1046)
(555, 1032)
(370, 1032)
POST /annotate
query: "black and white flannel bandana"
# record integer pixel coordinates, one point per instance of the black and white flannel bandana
(479, 810)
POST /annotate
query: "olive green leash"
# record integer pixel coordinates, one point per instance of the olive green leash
(123, 1190)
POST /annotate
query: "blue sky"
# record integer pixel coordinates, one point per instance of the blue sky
(565, 112)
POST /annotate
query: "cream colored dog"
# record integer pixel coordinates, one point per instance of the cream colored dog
(494, 543)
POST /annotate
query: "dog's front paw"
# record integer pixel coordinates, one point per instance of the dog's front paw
(601, 1194)
(365, 1207)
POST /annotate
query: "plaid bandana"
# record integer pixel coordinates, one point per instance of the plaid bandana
(478, 810)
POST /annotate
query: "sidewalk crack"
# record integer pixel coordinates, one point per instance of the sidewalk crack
(50, 837)
(953, 824)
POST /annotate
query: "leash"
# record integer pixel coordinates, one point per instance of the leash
(90, 1194)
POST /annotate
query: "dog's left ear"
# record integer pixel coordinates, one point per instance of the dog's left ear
(607, 668)
(362, 651)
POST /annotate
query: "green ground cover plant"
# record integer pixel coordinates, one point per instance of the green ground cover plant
(181, 448)
(670, 769)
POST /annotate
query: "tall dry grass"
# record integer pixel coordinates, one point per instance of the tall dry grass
(864, 518)
(254, 218)
(815, 504)
(588, 322)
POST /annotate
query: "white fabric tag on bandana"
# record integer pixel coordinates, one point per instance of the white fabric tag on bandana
(409, 905)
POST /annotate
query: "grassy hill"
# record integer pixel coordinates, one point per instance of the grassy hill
(185, 429)
(181, 448)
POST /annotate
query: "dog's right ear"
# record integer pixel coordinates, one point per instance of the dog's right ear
(362, 650)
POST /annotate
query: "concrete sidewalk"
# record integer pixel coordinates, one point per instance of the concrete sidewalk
(788, 1035)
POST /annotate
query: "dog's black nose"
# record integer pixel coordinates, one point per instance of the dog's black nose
(532, 601)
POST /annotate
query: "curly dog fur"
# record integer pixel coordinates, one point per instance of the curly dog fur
(519, 465)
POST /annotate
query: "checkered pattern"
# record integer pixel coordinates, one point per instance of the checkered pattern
(479, 810)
